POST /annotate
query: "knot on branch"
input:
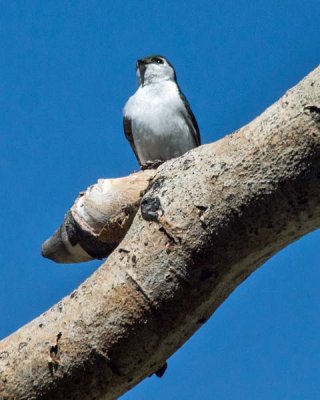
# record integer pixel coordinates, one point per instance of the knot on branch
(150, 208)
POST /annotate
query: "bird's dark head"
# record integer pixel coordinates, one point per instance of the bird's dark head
(154, 69)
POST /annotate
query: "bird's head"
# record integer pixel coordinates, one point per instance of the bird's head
(154, 69)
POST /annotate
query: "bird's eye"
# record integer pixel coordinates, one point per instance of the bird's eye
(157, 60)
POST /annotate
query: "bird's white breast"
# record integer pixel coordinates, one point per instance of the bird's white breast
(159, 122)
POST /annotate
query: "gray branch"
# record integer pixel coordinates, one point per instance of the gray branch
(209, 219)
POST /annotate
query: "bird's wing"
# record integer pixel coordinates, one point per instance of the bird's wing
(191, 120)
(128, 132)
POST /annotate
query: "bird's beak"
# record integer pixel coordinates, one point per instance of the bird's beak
(141, 65)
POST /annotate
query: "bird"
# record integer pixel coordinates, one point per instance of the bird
(157, 120)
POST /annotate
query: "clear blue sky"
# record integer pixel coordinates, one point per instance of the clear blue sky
(66, 70)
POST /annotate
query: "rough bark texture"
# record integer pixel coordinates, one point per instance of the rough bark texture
(210, 218)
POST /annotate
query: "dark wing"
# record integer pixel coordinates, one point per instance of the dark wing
(191, 119)
(128, 132)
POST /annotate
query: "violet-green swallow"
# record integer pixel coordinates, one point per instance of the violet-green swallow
(157, 119)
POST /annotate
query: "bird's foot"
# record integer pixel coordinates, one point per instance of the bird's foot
(151, 164)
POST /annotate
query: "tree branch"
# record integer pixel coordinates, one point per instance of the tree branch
(208, 220)
(98, 220)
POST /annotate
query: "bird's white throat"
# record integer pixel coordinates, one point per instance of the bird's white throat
(154, 73)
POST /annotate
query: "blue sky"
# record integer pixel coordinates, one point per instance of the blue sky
(66, 70)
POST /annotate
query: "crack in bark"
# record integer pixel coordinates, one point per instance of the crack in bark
(139, 288)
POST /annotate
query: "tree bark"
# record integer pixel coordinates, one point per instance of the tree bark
(98, 220)
(209, 219)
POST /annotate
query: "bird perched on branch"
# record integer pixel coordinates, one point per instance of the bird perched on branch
(157, 119)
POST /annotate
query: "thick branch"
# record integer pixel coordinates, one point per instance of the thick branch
(209, 219)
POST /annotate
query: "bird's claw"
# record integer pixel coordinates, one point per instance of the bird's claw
(151, 164)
